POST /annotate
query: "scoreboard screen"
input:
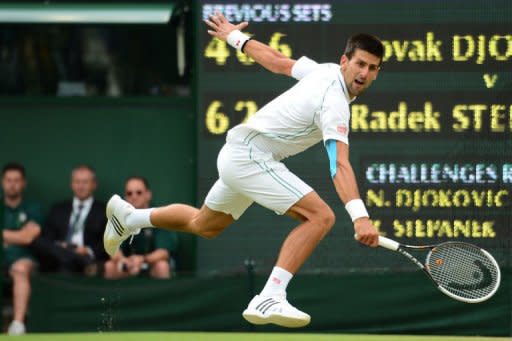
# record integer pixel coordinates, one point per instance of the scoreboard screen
(430, 141)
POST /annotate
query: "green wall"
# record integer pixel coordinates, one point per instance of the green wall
(384, 303)
(152, 137)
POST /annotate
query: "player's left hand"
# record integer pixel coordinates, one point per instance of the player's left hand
(366, 233)
(221, 27)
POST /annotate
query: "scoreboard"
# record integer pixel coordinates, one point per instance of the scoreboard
(430, 141)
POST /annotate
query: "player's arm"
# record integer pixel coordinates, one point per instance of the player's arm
(269, 58)
(263, 54)
(346, 186)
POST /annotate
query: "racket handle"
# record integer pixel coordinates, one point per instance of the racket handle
(389, 244)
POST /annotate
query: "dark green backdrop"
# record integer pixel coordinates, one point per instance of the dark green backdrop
(390, 303)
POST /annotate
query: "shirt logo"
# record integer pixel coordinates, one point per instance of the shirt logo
(342, 129)
(22, 218)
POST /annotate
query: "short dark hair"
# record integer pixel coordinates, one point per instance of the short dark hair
(14, 166)
(365, 42)
(140, 178)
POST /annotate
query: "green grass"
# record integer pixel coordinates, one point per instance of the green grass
(239, 337)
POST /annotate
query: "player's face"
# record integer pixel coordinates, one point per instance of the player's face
(136, 193)
(13, 184)
(359, 71)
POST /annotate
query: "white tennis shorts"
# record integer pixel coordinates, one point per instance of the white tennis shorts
(247, 175)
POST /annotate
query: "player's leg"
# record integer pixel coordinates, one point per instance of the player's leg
(269, 183)
(204, 222)
(222, 206)
(317, 219)
(124, 221)
(20, 274)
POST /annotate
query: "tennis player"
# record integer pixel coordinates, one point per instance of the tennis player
(250, 165)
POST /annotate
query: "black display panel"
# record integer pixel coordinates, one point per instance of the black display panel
(430, 141)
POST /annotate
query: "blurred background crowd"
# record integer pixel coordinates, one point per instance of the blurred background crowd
(69, 239)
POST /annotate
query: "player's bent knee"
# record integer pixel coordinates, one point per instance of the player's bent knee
(328, 223)
(325, 221)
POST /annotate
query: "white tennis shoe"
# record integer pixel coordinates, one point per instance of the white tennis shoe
(116, 231)
(276, 310)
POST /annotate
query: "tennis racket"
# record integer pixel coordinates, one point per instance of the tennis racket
(460, 270)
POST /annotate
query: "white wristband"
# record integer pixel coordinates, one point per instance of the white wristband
(356, 209)
(237, 39)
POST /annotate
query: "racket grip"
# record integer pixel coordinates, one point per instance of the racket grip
(389, 244)
(386, 243)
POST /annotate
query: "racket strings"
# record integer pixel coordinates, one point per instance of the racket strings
(463, 269)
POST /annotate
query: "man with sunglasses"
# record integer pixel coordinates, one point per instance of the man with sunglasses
(149, 251)
(315, 110)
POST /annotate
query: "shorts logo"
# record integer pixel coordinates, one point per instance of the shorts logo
(342, 129)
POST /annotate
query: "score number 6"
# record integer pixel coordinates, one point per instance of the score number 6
(217, 122)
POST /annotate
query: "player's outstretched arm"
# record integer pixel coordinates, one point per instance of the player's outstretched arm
(263, 54)
(346, 187)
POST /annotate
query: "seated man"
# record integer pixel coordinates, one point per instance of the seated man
(150, 250)
(20, 226)
(71, 240)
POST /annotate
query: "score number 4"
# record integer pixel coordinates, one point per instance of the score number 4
(218, 50)
(217, 122)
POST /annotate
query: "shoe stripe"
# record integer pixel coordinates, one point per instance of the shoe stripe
(114, 226)
(117, 226)
(118, 229)
(118, 223)
(266, 305)
(259, 305)
(269, 306)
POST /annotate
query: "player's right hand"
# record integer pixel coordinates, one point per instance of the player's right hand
(366, 233)
(221, 27)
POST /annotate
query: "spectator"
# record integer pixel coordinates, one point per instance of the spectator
(72, 238)
(151, 250)
(20, 226)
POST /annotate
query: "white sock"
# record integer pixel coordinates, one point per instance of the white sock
(139, 219)
(277, 282)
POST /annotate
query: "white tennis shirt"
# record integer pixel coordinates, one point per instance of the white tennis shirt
(316, 108)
